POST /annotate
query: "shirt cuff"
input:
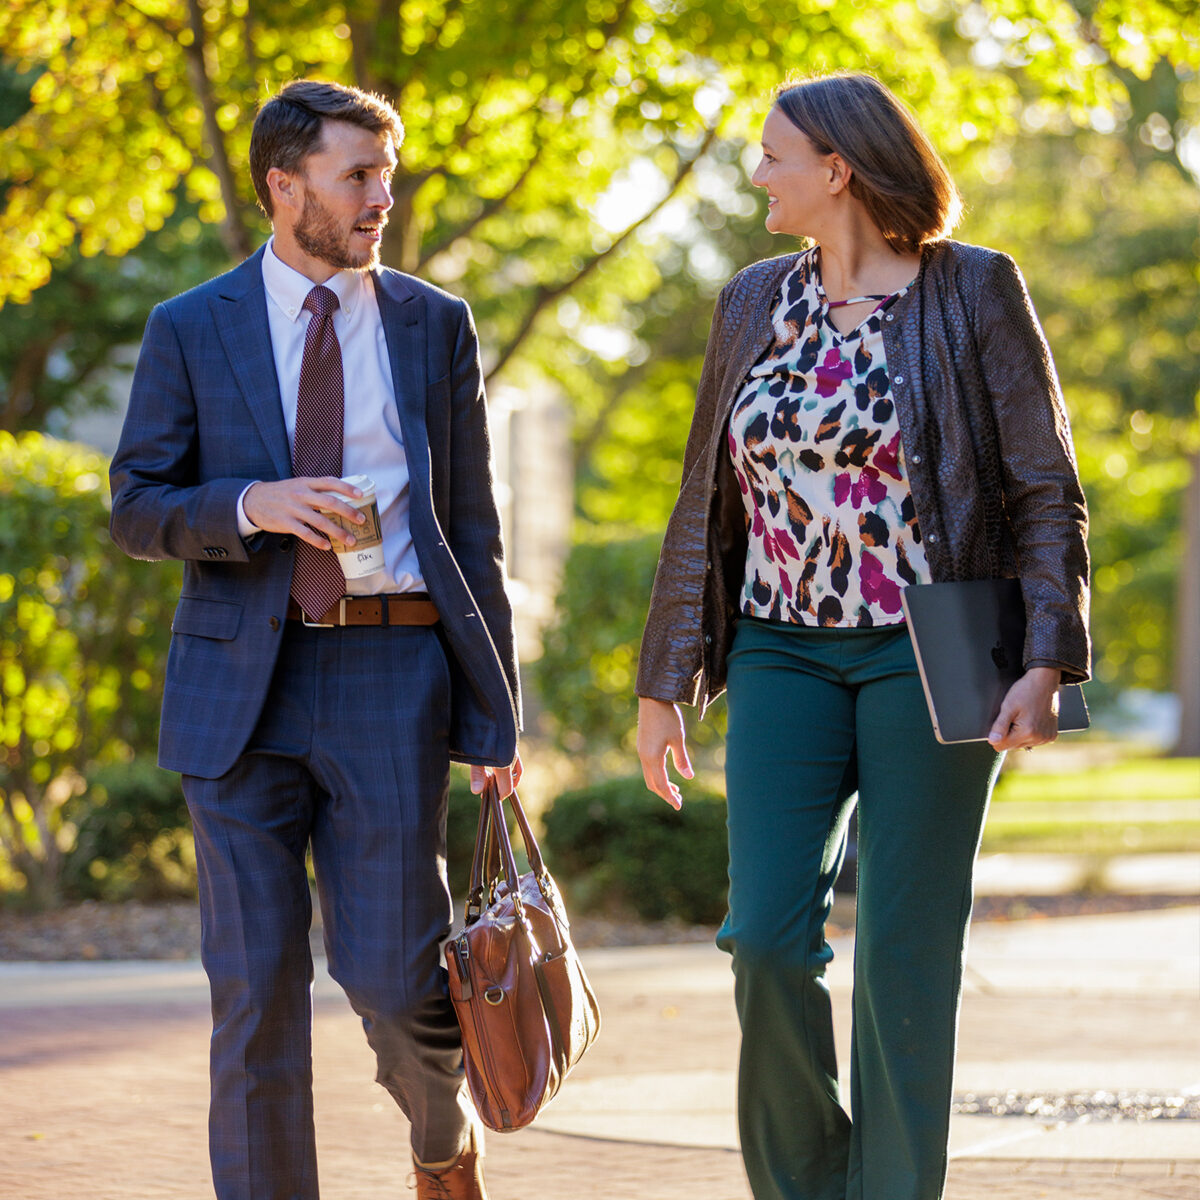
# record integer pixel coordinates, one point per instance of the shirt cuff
(246, 527)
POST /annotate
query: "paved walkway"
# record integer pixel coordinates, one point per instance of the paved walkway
(103, 1076)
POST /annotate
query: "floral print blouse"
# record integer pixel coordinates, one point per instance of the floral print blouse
(815, 443)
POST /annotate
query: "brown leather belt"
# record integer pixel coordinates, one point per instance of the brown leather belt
(407, 608)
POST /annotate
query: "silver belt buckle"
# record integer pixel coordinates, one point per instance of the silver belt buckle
(326, 624)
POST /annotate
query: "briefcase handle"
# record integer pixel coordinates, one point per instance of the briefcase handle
(494, 852)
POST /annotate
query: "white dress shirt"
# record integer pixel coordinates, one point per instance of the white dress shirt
(371, 441)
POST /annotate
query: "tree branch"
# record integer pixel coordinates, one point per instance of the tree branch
(410, 182)
(465, 134)
(486, 210)
(546, 293)
(676, 342)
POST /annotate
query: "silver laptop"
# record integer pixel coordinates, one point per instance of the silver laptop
(969, 639)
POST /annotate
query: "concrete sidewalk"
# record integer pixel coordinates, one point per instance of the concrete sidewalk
(103, 1085)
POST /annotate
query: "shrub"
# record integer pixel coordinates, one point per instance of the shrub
(132, 836)
(585, 677)
(586, 673)
(615, 843)
(83, 635)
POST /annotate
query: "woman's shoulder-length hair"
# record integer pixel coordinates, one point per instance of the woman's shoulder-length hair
(896, 173)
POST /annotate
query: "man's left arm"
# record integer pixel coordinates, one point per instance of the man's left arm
(474, 528)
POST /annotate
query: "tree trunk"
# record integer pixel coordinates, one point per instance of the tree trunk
(401, 247)
(234, 232)
(20, 409)
(1187, 620)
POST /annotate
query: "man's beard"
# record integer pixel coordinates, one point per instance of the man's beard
(318, 235)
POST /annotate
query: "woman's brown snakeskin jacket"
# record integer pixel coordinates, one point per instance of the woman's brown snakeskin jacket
(987, 447)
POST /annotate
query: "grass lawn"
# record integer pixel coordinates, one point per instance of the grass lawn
(1134, 805)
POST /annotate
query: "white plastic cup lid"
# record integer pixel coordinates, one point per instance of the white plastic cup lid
(364, 483)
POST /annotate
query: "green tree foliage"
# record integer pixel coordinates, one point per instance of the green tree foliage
(1116, 283)
(57, 350)
(589, 654)
(129, 836)
(1104, 222)
(1099, 210)
(575, 167)
(82, 639)
(567, 161)
(525, 118)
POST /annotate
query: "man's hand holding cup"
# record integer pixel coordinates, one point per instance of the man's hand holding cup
(311, 510)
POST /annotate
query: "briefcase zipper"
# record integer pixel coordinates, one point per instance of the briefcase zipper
(462, 954)
(489, 1071)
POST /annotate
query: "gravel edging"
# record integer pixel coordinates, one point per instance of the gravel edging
(94, 931)
(170, 930)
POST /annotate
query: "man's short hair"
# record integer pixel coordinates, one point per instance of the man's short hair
(288, 126)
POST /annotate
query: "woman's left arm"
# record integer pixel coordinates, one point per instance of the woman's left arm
(1044, 503)
(1043, 499)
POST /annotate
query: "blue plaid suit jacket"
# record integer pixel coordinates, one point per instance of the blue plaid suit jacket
(205, 418)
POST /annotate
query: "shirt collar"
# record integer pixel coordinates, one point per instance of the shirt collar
(288, 288)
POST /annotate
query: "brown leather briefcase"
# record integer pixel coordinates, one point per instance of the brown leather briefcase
(523, 1001)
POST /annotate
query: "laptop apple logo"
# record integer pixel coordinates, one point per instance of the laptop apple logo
(1000, 656)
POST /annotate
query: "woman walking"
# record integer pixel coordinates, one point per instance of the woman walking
(875, 411)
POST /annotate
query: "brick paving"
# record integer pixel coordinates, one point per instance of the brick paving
(104, 1097)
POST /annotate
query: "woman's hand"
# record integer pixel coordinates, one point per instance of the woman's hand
(1029, 715)
(660, 728)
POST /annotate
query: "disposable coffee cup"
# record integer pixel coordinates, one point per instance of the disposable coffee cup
(365, 557)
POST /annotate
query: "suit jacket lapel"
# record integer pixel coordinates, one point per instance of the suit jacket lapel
(240, 314)
(405, 330)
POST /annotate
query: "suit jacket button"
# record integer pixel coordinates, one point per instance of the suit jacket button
(285, 542)
(274, 623)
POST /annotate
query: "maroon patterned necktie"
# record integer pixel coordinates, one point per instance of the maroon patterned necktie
(317, 580)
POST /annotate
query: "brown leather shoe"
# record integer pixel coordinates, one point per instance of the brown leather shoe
(461, 1179)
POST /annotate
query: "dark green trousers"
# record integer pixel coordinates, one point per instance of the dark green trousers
(817, 716)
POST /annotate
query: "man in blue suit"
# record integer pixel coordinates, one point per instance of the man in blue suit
(307, 711)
